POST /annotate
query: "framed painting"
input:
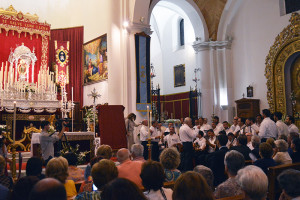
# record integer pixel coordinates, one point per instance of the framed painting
(95, 60)
(179, 75)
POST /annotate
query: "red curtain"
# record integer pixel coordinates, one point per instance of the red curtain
(75, 36)
(9, 41)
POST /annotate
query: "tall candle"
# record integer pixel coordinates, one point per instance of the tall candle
(15, 113)
(148, 122)
(5, 77)
(72, 95)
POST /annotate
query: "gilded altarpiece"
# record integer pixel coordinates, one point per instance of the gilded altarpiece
(287, 43)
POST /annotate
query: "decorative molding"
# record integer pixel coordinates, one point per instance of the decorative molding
(201, 46)
(12, 12)
(139, 27)
(286, 44)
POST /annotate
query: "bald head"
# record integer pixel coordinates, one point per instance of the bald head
(188, 121)
(123, 155)
(48, 189)
(145, 122)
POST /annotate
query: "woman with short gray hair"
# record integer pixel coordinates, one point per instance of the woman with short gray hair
(253, 181)
(170, 159)
(281, 155)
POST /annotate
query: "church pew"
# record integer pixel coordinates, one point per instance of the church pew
(274, 188)
(238, 197)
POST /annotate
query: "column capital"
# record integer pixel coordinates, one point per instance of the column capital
(206, 45)
(139, 27)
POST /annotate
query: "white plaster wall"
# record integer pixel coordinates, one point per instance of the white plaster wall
(166, 53)
(254, 29)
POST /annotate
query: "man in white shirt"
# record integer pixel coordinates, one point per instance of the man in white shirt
(218, 124)
(249, 143)
(211, 142)
(259, 119)
(215, 128)
(172, 139)
(226, 127)
(234, 125)
(291, 126)
(144, 135)
(200, 148)
(204, 127)
(248, 128)
(281, 126)
(268, 128)
(240, 127)
(155, 136)
(254, 125)
(187, 135)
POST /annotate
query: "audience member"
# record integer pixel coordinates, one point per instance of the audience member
(5, 180)
(129, 169)
(215, 160)
(4, 193)
(153, 177)
(242, 147)
(281, 155)
(170, 160)
(283, 137)
(34, 167)
(137, 152)
(207, 174)
(192, 186)
(249, 143)
(271, 142)
(296, 150)
(58, 168)
(253, 181)
(76, 174)
(187, 135)
(103, 172)
(23, 187)
(87, 185)
(268, 128)
(266, 161)
(234, 161)
(290, 138)
(254, 155)
(290, 120)
(104, 151)
(48, 189)
(122, 188)
(289, 181)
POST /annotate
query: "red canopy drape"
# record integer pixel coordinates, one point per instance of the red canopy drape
(75, 37)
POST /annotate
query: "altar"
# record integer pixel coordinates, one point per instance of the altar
(86, 140)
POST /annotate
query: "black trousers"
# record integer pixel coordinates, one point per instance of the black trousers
(145, 154)
(187, 156)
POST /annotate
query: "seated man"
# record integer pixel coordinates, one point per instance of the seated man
(137, 152)
(129, 169)
(215, 160)
(234, 161)
(289, 181)
(242, 147)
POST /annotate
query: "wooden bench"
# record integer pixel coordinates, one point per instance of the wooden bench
(239, 197)
(166, 185)
(274, 188)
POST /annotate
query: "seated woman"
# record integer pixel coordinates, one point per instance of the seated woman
(153, 177)
(266, 161)
(295, 145)
(281, 155)
(76, 174)
(122, 188)
(58, 168)
(170, 160)
(191, 186)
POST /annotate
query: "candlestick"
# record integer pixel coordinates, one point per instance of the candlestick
(148, 122)
(14, 132)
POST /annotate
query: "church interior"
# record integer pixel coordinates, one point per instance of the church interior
(88, 66)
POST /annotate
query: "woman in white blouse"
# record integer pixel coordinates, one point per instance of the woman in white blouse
(281, 155)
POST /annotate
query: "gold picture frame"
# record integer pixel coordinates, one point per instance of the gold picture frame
(179, 75)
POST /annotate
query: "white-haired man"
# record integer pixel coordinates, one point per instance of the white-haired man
(187, 135)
